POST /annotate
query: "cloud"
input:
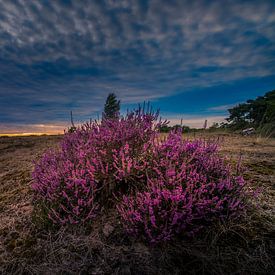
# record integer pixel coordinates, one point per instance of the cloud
(57, 56)
(221, 108)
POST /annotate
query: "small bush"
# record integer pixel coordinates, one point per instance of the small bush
(162, 188)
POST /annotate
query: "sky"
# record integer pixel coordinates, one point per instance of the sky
(191, 59)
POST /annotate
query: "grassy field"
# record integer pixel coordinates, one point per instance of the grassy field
(246, 248)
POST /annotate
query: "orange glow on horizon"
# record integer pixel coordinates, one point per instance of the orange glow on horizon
(29, 134)
(32, 129)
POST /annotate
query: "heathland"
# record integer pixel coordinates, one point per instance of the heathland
(246, 247)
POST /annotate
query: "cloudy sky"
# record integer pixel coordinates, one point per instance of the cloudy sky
(192, 59)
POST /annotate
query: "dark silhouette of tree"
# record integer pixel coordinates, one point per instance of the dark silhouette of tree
(258, 113)
(111, 107)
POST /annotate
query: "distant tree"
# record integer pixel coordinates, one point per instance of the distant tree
(111, 107)
(239, 115)
(257, 113)
(185, 129)
(176, 127)
(164, 129)
(167, 129)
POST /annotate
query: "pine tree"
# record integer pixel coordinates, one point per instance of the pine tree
(111, 107)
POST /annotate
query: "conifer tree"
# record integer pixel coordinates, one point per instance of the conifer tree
(111, 107)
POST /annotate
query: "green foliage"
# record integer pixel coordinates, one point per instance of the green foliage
(258, 113)
(111, 107)
(167, 129)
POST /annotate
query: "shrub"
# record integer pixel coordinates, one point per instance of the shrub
(162, 188)
(188, 187)
(66, 186)
(94, 162)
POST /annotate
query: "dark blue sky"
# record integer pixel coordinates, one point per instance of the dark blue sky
(193, 59)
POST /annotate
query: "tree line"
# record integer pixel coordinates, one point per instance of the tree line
(258, 113)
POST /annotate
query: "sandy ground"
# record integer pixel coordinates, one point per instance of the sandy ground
(16, 163)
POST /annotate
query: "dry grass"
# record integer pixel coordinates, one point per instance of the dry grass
(247, 247)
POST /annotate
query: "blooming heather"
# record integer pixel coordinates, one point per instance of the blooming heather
(93, 163)
(161, 188)
(188, 187)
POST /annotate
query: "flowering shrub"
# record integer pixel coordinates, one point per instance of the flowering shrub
(164, 188)
(189, 185)
(94, 162)
(67, 187)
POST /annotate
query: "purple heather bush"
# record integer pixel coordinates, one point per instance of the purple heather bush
(189, 185)
(93, 163)
(161, 188)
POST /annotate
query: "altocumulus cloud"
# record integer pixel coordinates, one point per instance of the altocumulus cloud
(57, 56)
